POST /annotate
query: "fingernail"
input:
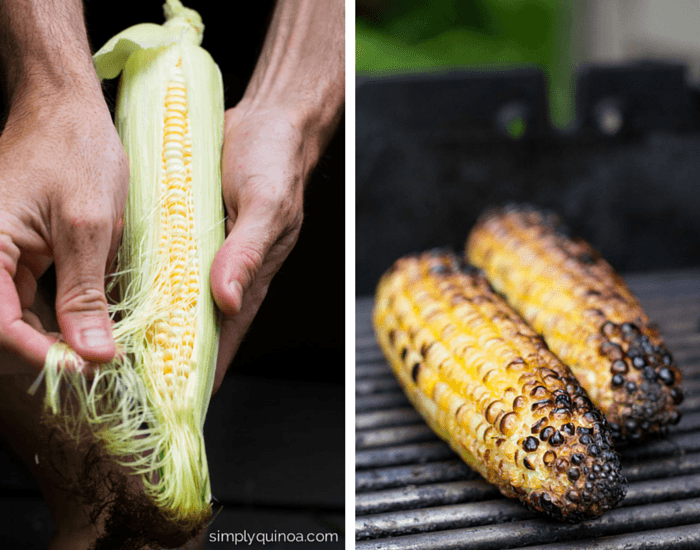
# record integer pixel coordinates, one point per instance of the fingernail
(237, 289)
(95, 337)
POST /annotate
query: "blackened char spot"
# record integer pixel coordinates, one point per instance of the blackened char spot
(537, 426)
(619, 367)
(530, 444)
(582, 402)
(646, 345)
(568, 429)
(539, 404)
(649, 374)
(546, 433)
(439, 269)
(667, 376)
(586, 258)
(677, 395)
(563, 400)
(469, 269)
(547, 503)
(415, 371)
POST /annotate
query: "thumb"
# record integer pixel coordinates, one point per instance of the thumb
(239, 260)
(81, 306)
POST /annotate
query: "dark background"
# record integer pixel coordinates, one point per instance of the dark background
(434, 150)
(275, 430)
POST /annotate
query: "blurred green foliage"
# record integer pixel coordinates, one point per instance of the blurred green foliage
(395, 36)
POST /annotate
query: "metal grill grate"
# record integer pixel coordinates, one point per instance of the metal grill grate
(412, 492)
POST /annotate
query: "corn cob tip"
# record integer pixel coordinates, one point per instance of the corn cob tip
(488, 384)
(571, 295)
(643, 382)
(188, 20)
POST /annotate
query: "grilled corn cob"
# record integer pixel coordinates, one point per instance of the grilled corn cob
(586, 314)
(147, 407)
(487, 384)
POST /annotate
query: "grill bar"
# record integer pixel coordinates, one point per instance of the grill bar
(382, 419)
(686, 537)
(452, 470)
(440, 518)
(386, 400)
(399, 435)
(430, 495)
(414, 493)
(404, 454)
(539, 531)
(467, 513)
(421, 474)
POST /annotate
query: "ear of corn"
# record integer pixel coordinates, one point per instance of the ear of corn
(147, 407)
(486, 383)
(586, 314)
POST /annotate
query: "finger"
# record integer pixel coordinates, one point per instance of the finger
(25, 283)
(36, 263)
(110, 264)
(81, 254)
(239, 260)
(32, 319)
(16, 334)
(233, 329)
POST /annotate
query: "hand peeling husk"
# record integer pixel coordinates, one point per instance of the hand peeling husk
(146, 420)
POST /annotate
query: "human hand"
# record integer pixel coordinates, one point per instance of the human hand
(63, 178)
(264, 168)
(272, 140)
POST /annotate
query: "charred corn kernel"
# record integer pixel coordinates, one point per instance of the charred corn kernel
(148, 406)
(487, 384)
(586, 314)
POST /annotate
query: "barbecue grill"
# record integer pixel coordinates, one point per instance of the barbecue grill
(414, 493)
(433, 151)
